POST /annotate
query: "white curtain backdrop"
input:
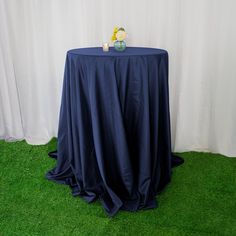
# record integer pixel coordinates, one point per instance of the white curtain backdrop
(200, 37)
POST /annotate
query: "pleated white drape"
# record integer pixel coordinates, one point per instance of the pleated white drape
(199, 35)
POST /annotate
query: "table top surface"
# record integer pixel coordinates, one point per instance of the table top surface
(129, 51)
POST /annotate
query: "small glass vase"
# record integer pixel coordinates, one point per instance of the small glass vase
(119, 46)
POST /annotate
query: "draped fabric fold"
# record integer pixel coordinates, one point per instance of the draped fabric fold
(114, 138)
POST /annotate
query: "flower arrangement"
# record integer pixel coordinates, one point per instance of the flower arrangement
(118, 37)
(118, 34)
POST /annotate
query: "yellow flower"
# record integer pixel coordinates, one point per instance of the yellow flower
(115, 30)
(113, 37)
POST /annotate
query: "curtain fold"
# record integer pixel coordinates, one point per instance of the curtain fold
(199, 35)
(11, 127)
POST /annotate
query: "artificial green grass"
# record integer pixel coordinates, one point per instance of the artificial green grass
(200, 200)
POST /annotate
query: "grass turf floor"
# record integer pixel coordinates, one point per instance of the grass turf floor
(200, 200)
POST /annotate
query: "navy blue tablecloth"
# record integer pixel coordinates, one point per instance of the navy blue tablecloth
(114, 138)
